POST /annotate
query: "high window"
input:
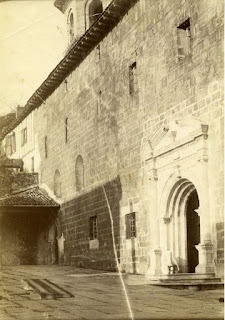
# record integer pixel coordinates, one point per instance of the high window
(32, 164)
(184, 39)
(23, 136)
(130, 220)
(10, 144)
(57, 184)
(13, 142)
(71, 26)
(95, 10)
(46, 147)
(66, 130)
(93, 224)
(79, 173)
(133, 77)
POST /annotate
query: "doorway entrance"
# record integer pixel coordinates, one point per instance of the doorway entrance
(183, 225)
(193, 231)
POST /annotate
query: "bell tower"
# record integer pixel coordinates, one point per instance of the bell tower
(80, 15)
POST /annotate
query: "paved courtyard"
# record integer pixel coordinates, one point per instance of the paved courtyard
(65, 292)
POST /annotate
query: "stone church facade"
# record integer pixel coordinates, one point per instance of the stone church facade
(127, 133)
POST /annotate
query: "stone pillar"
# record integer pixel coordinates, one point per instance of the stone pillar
(61, 249)
(155, 263)
(206, 264)
(205, 248)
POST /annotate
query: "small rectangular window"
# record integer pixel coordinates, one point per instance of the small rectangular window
(130, 220)
(133, 78)
(32, 164)
(46, 147)
(66, 129)
(23, 137)
(93, 228)
(184, 39)
(8, 145)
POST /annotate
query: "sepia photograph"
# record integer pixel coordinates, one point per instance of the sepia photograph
(111, 159)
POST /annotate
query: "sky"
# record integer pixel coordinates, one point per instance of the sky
(32, 42)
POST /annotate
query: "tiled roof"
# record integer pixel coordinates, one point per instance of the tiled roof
(29, 198)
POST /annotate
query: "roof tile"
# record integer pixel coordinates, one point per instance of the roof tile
(32, 197)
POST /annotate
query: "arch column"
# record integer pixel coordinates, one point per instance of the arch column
(155, 263)
(205, 248)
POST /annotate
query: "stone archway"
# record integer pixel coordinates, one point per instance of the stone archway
(182, 225)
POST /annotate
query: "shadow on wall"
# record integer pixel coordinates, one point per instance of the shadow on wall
(86, 226)
(28, 237)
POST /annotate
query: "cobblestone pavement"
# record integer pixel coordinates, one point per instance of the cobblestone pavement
(99, 295)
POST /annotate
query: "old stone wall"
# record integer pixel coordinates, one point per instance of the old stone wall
(108, 124)
(80, 250)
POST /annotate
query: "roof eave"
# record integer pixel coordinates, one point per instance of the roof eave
(30, 206)
(77, 53)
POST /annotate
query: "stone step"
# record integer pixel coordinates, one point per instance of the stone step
(192, 286)
(192, 281)
(188, 280)
(189, 276)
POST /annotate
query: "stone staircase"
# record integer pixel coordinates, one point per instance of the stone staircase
(193, 281)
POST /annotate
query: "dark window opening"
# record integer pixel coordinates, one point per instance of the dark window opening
(32, 164)
(10, 144)
(133, 77)
(46, 147)
(184, 39)
(23, 137)
(95, 10)
(66, 130)
(93, 228)
(130, 220)
(71, 27)
(79, 173)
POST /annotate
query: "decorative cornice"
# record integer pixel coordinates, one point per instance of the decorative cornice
(77, 53)
(171, 137)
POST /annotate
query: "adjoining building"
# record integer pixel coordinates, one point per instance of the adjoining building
(28, 218)
(131, 120)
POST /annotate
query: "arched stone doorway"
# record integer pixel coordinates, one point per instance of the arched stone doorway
(182, 225)
(176, 190)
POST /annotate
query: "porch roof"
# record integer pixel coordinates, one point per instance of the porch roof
(32, 197)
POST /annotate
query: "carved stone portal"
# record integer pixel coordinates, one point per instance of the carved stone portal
(176, 164)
